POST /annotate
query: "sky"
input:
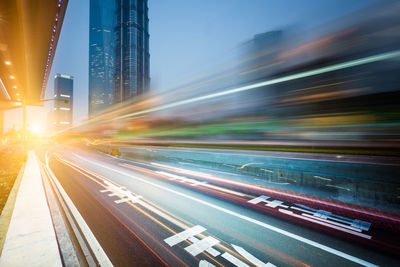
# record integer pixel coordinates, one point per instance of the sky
(187, 37)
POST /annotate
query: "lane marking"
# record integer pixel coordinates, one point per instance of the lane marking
(95, 178)
(204, 263)
(234, 260)
(206, 244)
(120, 191)
(175, 239)
(210, 250)
(181, 179)
(131, 199)
(202, 245)
(288, 212)
(318, 215)
(251, 186)
(251, 258)
(156, 209)
(202, 183)
(332, 222)
(358, 225)
(271, 204)
(243, 217)
(95, 246)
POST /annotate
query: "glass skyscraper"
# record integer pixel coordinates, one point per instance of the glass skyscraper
(63, 104)
(101, 54)
(118, 52)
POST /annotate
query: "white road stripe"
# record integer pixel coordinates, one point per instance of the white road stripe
(251, 258)
(234, 260)
(121, 192)
(332, 222)
(243, 217)
(175, 239)
(181, 178)
(201, 245)
(204, 263)
(271, 204)
(258, 199)
(210, 250)
(95, 246)
(122, 200)
(288, 212)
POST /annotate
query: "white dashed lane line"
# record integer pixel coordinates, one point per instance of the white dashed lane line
(240, 216)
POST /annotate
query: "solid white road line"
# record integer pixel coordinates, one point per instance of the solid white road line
(332, 222)
(243, 217)
(251, 258)
(234, 260)
(288, 212)
(98, 251)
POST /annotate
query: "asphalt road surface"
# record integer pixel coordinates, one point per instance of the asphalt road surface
(146, 214)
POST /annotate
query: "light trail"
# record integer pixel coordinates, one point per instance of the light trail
(180, 222)
(349, 64)
(243, 217)
(5, 90)
(97, 178)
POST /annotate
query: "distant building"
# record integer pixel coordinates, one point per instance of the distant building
(63, 103)
(118, 52)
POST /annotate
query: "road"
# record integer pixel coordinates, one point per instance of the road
(146, 214)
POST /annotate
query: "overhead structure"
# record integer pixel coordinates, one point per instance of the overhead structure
(29, 32)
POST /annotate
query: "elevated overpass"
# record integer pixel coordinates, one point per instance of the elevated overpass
(29, 32)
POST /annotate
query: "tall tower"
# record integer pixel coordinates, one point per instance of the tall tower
(101, 54)
(63, 95)
(132, 67)
(118, 53)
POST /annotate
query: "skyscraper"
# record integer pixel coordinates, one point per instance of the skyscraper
(101, 54)
(63, 95)
(132, 49)
(118, 53)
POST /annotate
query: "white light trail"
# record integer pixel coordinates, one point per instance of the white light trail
(240, 216)
(4, 89)
(349, 64)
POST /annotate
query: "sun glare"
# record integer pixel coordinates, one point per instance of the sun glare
(36, 128)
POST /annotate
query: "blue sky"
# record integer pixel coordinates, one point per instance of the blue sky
(189, 36)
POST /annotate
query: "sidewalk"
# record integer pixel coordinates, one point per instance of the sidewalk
(31, 240)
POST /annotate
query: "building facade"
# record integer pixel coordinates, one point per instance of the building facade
(63, 101)
(101, 55)
(132, 49)
(118, 52)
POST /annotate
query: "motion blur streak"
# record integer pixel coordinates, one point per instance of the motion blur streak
(79, 168)
(202, 184)
(349, 64)
(148, 205)
(287, 154)
(268, 249)
(325, 90)
(261, 188)
(283, 232)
